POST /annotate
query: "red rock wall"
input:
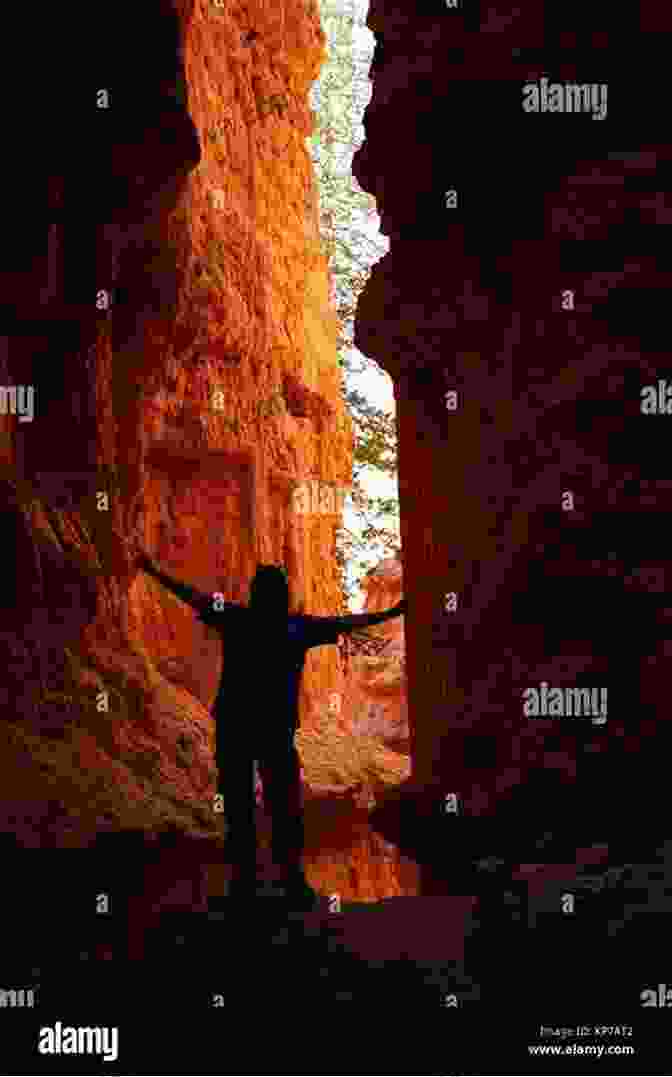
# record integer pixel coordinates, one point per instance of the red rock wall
(178, 409)
(471, 300)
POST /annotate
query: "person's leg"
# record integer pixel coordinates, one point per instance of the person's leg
(236, 785)
(280, 770)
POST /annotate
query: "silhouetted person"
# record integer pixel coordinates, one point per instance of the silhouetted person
(256, 712)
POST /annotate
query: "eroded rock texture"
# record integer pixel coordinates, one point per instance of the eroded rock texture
(375, 694)
(167, 299)
(520, 321)
(355, 752)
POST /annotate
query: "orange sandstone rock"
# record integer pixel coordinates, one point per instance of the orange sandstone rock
(178, 332)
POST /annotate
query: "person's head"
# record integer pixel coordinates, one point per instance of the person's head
(269, 592)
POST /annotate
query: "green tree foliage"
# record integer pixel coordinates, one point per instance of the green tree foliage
(339, 100)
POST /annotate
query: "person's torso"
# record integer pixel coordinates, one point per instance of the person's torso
(262, 661)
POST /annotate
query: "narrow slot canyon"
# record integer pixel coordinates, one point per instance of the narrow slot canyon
(482, 747)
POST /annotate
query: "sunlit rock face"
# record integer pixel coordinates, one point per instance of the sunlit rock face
(520, 318)
(169, 303)
(375, 697)
(346, 775)
(355, 753)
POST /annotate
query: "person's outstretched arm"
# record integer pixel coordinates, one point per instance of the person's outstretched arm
(366, 620)
(203, 602)
(188, 594)
(328, 629)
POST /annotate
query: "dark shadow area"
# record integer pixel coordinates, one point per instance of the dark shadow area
(444, 965)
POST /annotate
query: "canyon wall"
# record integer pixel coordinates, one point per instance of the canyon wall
(374, 702)
(167, 299)
(520, 313)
